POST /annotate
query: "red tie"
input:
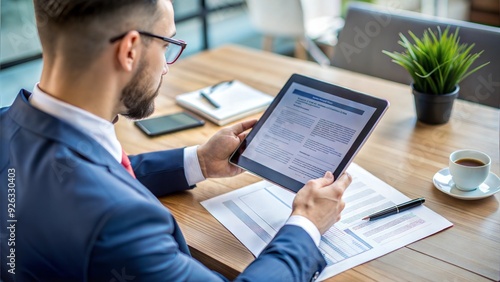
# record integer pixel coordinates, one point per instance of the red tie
(126, 164)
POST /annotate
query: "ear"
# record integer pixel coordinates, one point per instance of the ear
(129, 50)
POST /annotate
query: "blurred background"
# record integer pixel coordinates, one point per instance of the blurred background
(274, 25)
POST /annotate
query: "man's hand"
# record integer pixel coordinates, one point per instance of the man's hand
(320, 200)
(214, 155)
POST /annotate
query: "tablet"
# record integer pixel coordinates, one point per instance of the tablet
(310, 127)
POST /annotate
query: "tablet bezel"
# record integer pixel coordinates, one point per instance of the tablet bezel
(276, 177)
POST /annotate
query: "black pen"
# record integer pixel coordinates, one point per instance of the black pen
(396, 209)
(212, 90)
(210, 100)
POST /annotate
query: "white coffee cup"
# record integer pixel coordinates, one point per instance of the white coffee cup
(469, 168)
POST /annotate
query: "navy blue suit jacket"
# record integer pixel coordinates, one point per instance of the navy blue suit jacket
(82, 217)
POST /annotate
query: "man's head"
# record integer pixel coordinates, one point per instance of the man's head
(75, 35)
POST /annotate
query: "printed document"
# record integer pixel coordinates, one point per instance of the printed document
(255, 213)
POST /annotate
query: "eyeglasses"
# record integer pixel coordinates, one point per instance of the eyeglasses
(174, 49)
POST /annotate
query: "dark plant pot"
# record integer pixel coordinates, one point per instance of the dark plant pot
(432, 108)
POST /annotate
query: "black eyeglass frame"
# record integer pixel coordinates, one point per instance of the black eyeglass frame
(177, 42)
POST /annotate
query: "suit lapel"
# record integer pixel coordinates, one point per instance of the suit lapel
(52, 128)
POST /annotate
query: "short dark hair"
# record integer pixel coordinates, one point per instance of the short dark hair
(87, 24)
(67, 11)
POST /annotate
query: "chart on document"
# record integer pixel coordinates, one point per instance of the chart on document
(264, 211)
(255, 213)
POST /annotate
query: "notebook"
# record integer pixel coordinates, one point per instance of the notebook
(236, 101)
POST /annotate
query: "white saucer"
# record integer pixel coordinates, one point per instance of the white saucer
(443, 182)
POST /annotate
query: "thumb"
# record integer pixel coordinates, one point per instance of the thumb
(327, 179)
(243, 126)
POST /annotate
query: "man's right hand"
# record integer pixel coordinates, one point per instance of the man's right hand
(320, 200)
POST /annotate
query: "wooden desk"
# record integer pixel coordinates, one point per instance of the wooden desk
(401, 152)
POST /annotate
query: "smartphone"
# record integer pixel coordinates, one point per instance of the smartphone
(169, 123)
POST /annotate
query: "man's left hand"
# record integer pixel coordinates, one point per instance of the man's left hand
(214, 154)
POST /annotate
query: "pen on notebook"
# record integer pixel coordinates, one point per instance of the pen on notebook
(210, 100)
(396, 209)
(206, 95)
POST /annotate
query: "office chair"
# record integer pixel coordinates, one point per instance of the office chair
(369, 29)
(309, 22)
(278, 18)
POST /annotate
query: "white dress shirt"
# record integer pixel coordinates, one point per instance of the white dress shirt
(103, 132)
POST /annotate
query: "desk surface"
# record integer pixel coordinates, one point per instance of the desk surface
(402, 152)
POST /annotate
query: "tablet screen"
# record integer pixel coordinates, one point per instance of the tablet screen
(310, 127)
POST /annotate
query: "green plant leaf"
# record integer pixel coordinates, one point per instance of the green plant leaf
(436, 61)
(473, 70)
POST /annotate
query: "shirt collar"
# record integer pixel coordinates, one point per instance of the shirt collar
(98, 128)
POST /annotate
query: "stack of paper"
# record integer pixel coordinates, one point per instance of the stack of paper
(236, 101)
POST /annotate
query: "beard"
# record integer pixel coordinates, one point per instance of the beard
(138, 97)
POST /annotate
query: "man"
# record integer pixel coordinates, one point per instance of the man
(74, 208)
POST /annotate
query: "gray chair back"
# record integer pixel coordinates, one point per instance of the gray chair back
(369, 29)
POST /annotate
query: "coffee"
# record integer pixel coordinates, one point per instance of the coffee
(469, 168)
(469, 162)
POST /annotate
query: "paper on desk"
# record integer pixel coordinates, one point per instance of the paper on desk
(255, 213)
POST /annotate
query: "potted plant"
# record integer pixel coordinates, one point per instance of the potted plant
(437, 63)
